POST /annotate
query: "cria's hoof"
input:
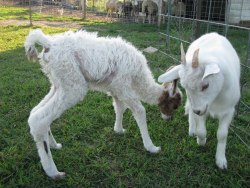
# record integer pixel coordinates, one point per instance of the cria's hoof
(58, 146)
(154, 149)
(59, 176)
(122, 131)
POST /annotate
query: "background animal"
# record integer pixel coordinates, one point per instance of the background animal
(114, 6)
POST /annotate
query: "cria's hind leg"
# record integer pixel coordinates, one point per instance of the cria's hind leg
(140, 116)
(52, 142)
(120, 108)
(39, 122)
(45, 99)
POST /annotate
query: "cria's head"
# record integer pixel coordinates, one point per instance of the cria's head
(170, 100)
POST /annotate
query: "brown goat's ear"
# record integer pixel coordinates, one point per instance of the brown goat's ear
(183, 55)
(195, 61)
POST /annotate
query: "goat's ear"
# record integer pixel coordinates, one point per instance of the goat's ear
(170, 75)
(211, 69)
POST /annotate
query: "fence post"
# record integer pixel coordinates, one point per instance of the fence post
(168, 23)
(248, 50)
(84, 8)
(30, 13)
(159, 12)
(198, 17)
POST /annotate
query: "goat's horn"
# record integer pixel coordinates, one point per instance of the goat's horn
(195, 61)
(183, 55)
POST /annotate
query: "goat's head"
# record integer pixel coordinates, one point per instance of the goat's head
(170, 99)
(202, 81)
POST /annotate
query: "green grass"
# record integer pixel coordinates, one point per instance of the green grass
(92, 154)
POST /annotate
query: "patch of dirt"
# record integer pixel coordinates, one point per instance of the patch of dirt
(40, 23)
(66, 24)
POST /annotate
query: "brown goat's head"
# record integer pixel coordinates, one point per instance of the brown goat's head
(170, 99)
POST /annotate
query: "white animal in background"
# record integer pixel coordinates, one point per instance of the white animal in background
(114, 6)
(149, 10)
(75, 62)
(210, 74)
(178, 8)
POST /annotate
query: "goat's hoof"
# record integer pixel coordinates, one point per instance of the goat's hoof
(120, 131)
(154, 149)
(201, 142)
(191, 133)
(59, 176)
(221, 162)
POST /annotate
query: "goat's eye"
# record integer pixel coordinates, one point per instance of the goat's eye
(204, 87)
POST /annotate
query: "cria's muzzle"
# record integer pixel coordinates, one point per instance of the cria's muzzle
(32, 53)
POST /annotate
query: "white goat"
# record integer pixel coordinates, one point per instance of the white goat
(75, 62)
(210, 74)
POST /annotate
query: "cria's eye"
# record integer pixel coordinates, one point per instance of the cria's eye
(204, 87)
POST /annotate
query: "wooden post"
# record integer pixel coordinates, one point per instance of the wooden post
(84, 9)
(198, 17)
(159, 12)
(30, 13)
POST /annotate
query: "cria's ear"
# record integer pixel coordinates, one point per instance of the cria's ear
(211, 69)
(173, 89)
(170, 75)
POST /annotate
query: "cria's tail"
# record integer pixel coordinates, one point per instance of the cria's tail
(35, 37)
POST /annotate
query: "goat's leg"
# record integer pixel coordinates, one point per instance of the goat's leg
(52, 142)
(140, 116)
(191, 118)
(224, 123)
(192, 123)
(201, 130)
(120, 108)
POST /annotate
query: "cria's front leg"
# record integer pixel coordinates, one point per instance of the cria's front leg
(140, 116)
(120, 108)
